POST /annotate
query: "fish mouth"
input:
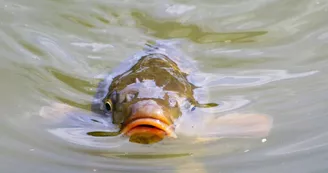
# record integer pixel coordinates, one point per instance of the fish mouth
(148, 124)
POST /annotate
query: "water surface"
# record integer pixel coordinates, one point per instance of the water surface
(270, 57)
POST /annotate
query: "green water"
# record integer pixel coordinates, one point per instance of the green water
(270, 55)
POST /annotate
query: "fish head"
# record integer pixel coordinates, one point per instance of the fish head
(143, 120)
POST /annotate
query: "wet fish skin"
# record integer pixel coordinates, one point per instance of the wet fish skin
(155, 77)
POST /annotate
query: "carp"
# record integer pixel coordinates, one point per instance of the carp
(149, 93)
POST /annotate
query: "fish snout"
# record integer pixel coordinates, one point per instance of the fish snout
(148, 123)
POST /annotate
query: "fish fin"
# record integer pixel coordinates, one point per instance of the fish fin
(103, 133)
(240, 126)
(235, 125)
(195, 103)
(206, 105)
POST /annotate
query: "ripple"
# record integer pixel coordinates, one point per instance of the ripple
(56, 51)
(254, 78)
(228, 104)
(79, 136)
(306, 145)
(95, 46)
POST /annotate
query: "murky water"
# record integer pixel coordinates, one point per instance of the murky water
(270, 57)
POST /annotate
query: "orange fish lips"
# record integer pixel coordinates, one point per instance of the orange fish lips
(148, 123)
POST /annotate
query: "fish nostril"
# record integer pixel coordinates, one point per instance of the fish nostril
(129, 97)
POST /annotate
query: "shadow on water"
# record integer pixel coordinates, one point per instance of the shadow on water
(172, 29)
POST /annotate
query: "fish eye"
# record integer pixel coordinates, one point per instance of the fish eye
(109, 105)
